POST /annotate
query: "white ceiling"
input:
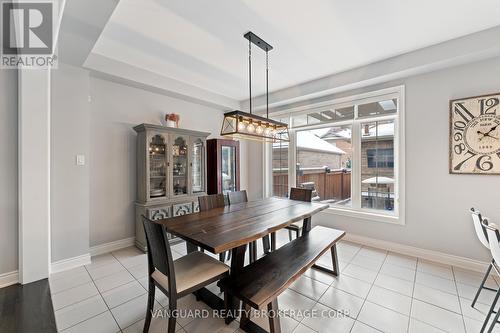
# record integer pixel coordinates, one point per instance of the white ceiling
(200, 42)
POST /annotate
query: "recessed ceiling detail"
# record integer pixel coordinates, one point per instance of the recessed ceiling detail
(199, 42)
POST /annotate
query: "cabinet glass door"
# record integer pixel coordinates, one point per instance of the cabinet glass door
(157, 167)
(228, 168)
(179, 166)
(197, 170)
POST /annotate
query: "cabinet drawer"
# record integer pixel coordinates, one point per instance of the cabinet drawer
(182, 209)
(159, 213)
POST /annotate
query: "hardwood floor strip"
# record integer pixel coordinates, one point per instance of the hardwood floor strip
(27, 308)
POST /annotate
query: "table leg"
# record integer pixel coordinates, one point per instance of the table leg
(306, 227)
(266, 244)
(273, 241)
(253, 251)
(191, 247)
(237, 263)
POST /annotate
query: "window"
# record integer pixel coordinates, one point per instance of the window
(347, 152)
(380, 158)
(377, 171)
(280, 167)
(324, 163)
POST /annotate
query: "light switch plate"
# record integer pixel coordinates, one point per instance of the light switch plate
(80, 159)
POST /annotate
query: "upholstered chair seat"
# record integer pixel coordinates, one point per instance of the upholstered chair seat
(192, 270)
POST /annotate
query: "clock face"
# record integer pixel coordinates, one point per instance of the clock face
(475, 135)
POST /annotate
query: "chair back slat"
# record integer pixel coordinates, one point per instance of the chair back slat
(237, 197)
(478, 227)
(211, 201)
(301, 194)
(159, 252)
(493, 239)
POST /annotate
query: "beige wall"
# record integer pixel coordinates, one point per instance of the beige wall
(115, 109)
(95, 117)
(8, 171)
(70, 136)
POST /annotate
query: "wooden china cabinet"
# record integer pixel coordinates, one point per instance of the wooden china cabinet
(171, 173)
(223, 166)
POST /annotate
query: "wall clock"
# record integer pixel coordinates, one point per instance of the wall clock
(475, 135)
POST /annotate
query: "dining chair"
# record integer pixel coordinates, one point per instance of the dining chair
(299, 194)
(239, 197)
(493, 240)
(178, 278)
(482, 235)
(212, 201)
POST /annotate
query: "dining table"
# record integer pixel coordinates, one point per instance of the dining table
(233, 227)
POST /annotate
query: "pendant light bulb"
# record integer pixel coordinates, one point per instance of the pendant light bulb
(250, 128)
(259, 129)
(241, 125)
(267, 131)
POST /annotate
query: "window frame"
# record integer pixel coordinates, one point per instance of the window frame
(397, 216)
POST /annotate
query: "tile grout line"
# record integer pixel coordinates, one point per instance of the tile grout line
(100, 294)
(458, 298)
(136, 280)
(411, 317)
(147, 291)
(331, 286)
(67, 328)
(78, 285)
(412, 298)
(368, 293)
(81, 300)
(317, 301)
(107, 306)
(412, 293)
(92, 282)
(82, 321)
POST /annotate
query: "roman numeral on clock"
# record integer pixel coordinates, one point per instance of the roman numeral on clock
(459, 165)
(461, 110)
(486, 105)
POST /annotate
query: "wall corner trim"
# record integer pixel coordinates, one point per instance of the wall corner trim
(112, 246)
(65, 264)
(9, 278)
(431, 255)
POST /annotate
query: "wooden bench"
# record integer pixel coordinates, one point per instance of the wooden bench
(259, 284)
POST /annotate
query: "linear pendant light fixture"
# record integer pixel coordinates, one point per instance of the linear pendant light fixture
(246, 125)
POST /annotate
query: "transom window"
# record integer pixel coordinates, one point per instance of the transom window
(348, 152)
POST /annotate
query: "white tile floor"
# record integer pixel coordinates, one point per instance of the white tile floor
(380, 291)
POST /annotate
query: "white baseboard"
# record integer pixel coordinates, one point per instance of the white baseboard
(112, 246)
(439, 257)
(8, 279)
(65, 264)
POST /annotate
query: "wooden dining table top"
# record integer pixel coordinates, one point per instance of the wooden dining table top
(221, 229)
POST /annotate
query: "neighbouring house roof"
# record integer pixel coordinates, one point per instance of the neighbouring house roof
(382, 130)
(308, 141)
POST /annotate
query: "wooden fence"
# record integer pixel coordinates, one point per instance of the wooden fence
(334, 185)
